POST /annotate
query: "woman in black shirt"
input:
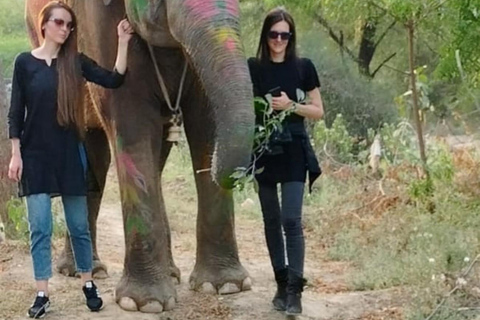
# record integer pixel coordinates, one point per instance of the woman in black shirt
(279, 72)
(46, 127)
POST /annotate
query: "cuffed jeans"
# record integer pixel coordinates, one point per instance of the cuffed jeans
(289, 216)
(39, 207)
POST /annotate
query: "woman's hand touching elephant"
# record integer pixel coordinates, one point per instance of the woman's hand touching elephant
(125, 31)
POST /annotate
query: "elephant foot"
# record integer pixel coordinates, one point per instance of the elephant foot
(66, 266)
(147, 296)
(99, 270)
(221, 280)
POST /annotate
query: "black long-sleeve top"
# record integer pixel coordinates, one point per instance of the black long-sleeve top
(54, 159)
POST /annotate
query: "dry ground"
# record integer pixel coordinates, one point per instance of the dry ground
(327, 296)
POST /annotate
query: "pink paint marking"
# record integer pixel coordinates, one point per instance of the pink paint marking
(231, 44)
(233, 7)
(210, 8)
(204, 8)
(126, 161)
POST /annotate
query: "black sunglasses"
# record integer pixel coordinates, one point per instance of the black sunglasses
(60, 23)
(283, 35)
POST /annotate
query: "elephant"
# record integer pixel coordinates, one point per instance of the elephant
(202, 36)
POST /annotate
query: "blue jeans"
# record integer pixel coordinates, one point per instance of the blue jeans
(288, 217)
(39, 208)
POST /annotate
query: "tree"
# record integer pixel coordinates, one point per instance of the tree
(363, 21)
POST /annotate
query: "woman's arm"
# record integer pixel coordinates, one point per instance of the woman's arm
(16, 119)
(124, 30)
(106, 78)
(313, 110)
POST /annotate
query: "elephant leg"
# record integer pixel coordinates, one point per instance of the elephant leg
(217, 267)
(146, 284)
(98, 155)
(174, 270)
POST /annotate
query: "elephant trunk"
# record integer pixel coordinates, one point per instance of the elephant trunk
(209, 32)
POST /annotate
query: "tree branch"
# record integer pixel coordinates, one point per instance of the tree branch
(383, 9)
(383, 63)
(336, 37)
(385, 33)
(397, 70)
(433, 8)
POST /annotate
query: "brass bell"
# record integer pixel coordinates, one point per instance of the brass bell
(174, 133)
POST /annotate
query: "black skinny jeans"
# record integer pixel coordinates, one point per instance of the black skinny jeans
(289, 216)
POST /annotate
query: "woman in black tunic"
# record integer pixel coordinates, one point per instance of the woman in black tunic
(279, 72)
(46, 127)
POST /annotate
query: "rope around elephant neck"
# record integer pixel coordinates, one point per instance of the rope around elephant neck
(177, 112)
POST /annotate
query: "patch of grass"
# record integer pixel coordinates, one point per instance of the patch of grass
(410, 245)
(345, 247)
(179, 190)
(18, 222)
(17, 213)
(394, 239)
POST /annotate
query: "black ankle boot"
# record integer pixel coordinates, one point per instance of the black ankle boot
(280, 299)
(294, 294)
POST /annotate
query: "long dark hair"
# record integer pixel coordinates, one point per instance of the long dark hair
(273, 17)
(70, 93)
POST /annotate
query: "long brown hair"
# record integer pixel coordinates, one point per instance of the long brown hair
(276, 15)
(70, 92)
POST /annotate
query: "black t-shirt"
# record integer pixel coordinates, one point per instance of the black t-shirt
(53, 157)
(291, 76)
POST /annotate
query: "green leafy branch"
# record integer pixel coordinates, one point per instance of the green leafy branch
(270, 122)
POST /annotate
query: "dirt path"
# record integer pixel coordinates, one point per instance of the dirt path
(326, 298)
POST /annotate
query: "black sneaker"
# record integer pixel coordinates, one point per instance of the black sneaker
(94, 302)
(40, 307)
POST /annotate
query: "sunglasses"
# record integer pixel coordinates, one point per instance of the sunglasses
(60, 23)
(283, 35)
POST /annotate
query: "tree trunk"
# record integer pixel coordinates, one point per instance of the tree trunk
(411, 31)
(368, 44)
(367, 48)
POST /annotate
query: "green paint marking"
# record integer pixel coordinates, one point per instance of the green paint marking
(221, 4)
(136, 225)
(138, 8)
(119, 144)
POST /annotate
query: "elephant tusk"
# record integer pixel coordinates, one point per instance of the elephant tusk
(203, 170)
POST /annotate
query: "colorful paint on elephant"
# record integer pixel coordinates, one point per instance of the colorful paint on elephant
(210, 9)
(219, 13)
(136, 225)
(128, 167)
(133, 186)
(227, 37)
(138, 8)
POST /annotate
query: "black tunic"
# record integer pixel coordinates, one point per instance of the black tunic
(297, 157)
(54, 159)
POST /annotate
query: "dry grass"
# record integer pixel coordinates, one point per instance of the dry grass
(384, 314)
(467, 175)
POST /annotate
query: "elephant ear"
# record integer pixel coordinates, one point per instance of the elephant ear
(107, 2)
